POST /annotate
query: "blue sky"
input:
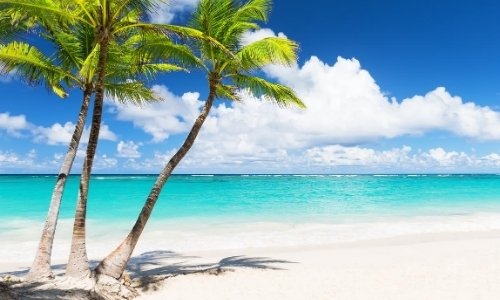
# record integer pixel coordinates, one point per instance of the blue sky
(391, 87)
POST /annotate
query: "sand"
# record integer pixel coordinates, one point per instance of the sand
(431, 266)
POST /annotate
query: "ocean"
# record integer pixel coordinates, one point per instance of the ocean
(208, 212)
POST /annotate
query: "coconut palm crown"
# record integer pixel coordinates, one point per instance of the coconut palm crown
(227, 21)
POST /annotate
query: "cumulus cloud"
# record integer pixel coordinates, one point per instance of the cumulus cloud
(14, 124)
(436, 159)
(174, 115)
(128, 149)
(104, 162)
(8, 157)
(328, 159)
(256, 35)
(344, 106)
(337, 155)
(12, 160)
(58, 134)
(168, 11)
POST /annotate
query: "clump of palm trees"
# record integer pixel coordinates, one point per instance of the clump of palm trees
(108, 47)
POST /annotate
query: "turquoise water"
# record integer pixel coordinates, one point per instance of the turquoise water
(235, 212)
(258, 198)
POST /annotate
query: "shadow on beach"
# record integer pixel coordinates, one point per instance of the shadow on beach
(147, 270)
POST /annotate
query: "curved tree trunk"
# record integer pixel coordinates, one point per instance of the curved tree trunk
(115, 263)
(78, 263)
(41, 265)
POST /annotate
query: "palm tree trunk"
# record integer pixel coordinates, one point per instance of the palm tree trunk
(41, 265)
(78, 263)
(115, 263)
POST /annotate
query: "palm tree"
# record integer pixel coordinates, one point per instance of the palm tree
(74, 64)
(225, 21)
(113, 21)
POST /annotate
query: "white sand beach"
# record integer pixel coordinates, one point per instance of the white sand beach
(426, 266)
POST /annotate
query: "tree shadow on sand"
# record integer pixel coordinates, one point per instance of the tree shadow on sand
(150, 268)
(153, 268)
(151, 257)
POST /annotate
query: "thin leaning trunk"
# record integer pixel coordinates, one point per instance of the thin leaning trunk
(41, 265)
(115, 263)
(78, 263)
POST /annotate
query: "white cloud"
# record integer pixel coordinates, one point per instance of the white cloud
(31, 154)
(13, 124)
(58, 134)
(104, 162)
(256, 35)
(174, 115)
(337, 155)
(81, 153)
(345, 107)
(8, 157)
(168, 12)
(54, 135)
(328, 159)
(442, 158)
(128, 149)
(12, 160)
(155, 163)
(401, 159)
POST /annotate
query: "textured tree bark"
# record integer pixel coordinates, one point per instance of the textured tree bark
(115, 263)
(78, 263)
(40, 269)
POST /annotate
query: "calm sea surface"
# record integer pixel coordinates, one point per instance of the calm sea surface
(298, 198)
(221, 211)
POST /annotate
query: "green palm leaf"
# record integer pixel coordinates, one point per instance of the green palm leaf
(42, 10)
(159, 48)
(32, 66)
(228, 92)
(272, 50)
(274, 92)
(254, 10)
(130, 93)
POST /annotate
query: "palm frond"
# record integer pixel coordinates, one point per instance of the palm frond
(274, 92)
(254, 10)
(229, 92)
(130, 93)
(271, 50)
(32, 66)
(53, 10)
(89, 66)
(122, 7)
(150, 70)
(162, 49)
(10, 29)
(170, 31)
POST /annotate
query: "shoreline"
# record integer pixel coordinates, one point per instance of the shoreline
(19, 244)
